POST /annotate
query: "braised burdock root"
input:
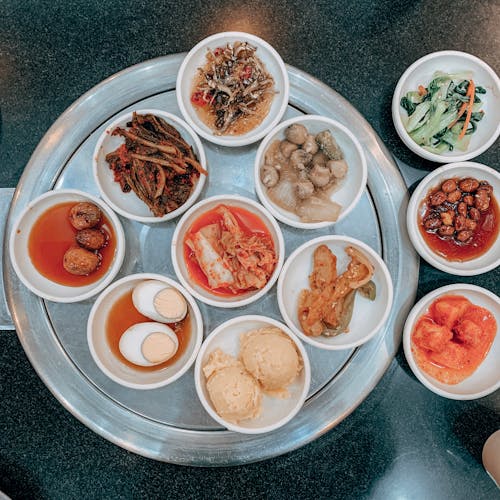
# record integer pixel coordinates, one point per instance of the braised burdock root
(156, 163)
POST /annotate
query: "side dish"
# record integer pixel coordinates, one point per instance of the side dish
(72, 244)
(452, 339)
(268, 362)
(327, 307)
(301, 172)
(444, 115)
(459, 219)
(233, 91)
(229, 251)
(156, 163)
(141, 343)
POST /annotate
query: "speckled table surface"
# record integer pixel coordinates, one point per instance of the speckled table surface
(403, 441)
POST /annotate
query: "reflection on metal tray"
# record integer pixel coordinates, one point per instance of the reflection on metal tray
(169, 423)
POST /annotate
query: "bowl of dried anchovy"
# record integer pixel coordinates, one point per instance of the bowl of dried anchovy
(232, 88)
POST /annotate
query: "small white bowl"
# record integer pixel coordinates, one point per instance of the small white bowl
(128, 204)
(486, 379)
(27, 272)
(276, 412)
(368, 316)
(486, 262)
(110, 365)
(451, 61)
(196, 58)
(178, 249)
(351, 187)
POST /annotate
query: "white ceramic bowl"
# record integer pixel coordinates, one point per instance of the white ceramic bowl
(276, 412)
(110, 365)
(128, 204)
(368, 316)
(479, 265)
(196, 58)
(27, 272)
(178, 250)
(451, 61)
(352, 186)
(486, 379)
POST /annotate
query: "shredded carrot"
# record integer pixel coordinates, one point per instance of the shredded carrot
(422, 90)
(471, 91)
(461, 111)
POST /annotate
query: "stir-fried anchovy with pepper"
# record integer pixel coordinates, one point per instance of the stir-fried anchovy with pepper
(156, 163)
(233, 81)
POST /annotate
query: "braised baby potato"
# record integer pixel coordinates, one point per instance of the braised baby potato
(84, 215)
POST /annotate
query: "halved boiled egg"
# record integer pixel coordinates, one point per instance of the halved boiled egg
(160, 302)
(148, 344)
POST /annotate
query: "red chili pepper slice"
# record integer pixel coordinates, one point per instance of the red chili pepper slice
(247, 72)
(199, 98)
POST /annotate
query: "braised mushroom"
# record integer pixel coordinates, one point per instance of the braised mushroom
(304, 189)
(269, 176)
(320, 176)
(300, 159)
(296, 133)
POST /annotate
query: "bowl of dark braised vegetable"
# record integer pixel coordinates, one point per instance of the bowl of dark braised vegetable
(310, 171)
(453, 218)
(232, 88)
(149, 166)
(67, 245)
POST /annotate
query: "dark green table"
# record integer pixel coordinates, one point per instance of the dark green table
(403, 441)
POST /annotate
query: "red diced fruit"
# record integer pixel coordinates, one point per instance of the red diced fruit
(483, 318)
(448, 309)
(467, 332)
(218, 51)
(453, 356)
(431, 336)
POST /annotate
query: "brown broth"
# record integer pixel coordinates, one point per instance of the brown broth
(52, 235)
(123, 315)
(482, 240)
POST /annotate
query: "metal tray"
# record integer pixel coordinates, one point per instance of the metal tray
(170, 424)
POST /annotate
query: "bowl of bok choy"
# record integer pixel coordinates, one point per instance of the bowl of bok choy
(446, 107)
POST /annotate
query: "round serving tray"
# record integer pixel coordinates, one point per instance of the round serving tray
(170, 424)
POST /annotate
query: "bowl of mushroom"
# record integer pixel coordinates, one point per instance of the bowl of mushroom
(310, 172)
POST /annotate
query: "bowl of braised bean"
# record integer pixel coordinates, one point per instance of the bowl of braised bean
(453, 218)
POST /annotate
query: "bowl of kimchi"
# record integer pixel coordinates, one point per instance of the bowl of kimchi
(227, 251)
(451, 341)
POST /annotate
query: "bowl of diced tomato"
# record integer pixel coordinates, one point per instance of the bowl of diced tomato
(451, 341)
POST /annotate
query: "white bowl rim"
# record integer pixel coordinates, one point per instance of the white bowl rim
(113, 269)
(416, 311)
(403, 134)
(198, 375)
(195, 142)
(198, 332)
(416, 238)
(281, 214)
(251, 136)
(227, 198)
(387, 281)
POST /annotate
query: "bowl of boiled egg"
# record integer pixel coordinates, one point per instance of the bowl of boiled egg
(144, 331)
